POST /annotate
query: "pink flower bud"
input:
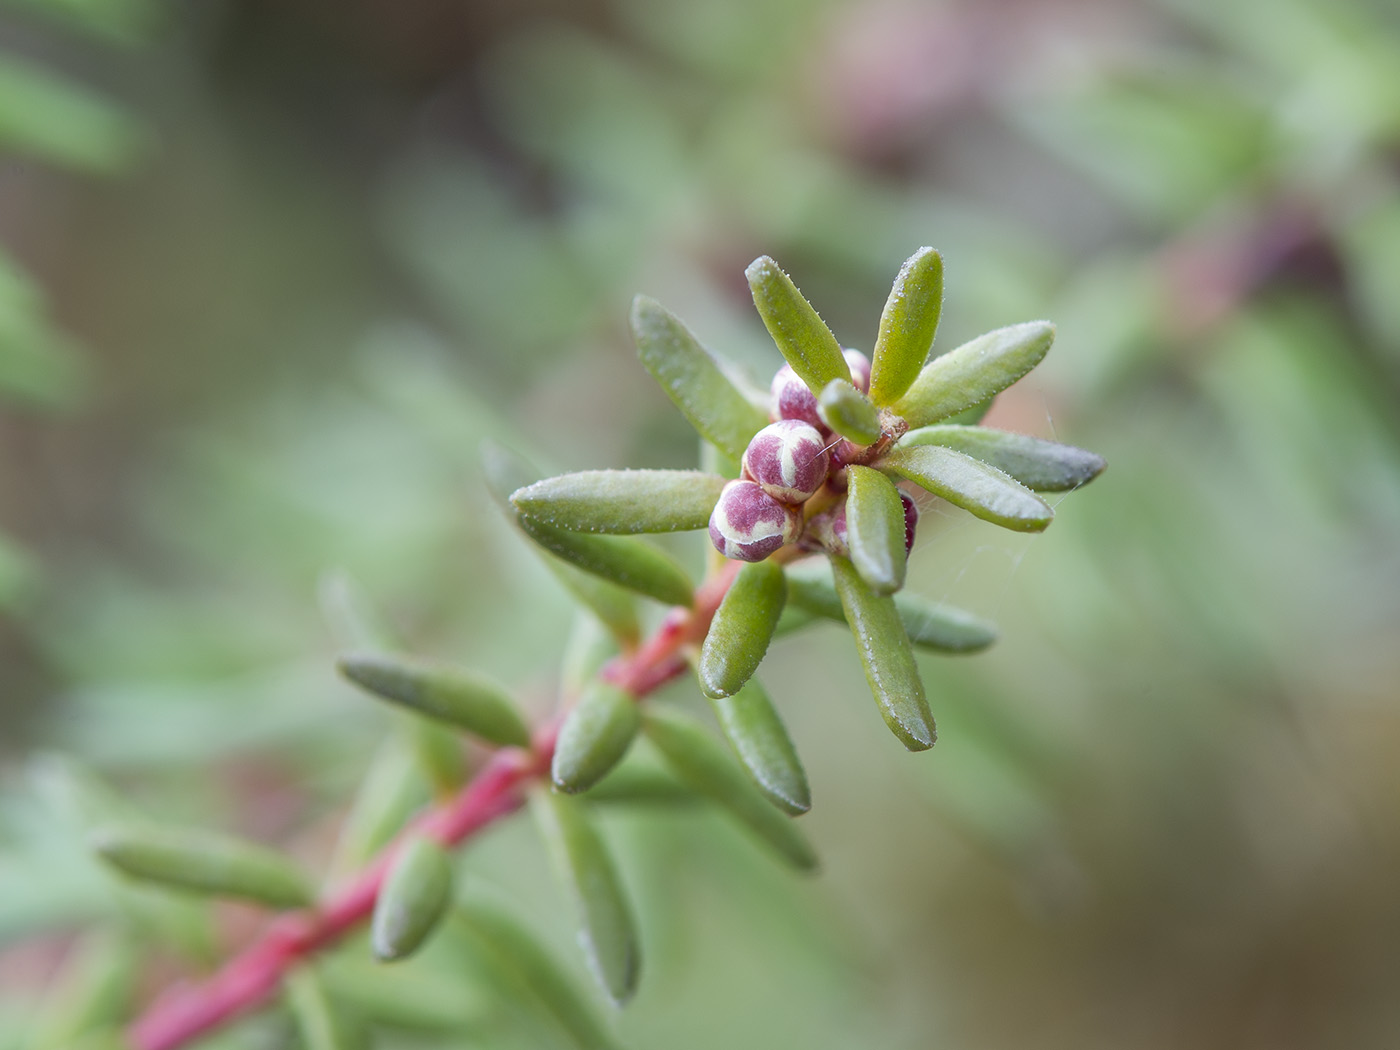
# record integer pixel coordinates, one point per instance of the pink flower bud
(788, 459)
(911, 520)
(859, 365)
(790, 399)
(748, 524)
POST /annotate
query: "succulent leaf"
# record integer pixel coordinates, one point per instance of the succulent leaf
(581, 859)
(693, 379)
(875, 529)
(470, 701)
(971, 484)
(323, 1024)
(742, 628)
(622, 501)
(204, 863)
(907, 326)
(1044, 466)
(803, 337)
(623, 560)
(886, 655)
(416, 894)
(849, 413)
(595, 735)
(974, 372)
(756, 732)
(702, 762)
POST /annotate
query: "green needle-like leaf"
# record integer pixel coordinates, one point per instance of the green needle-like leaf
(624, 560)
(581, 859)
(971, 484)
(595, 735)
(614, 606)
(756, 732)
(886, 656)
(907, 326)
(416, 893)
(849, 412)
(875, 526)
(517, 957)
(742, 628)
(802, 336)
(975, 371)
(929, 624)
(622, 501)
(1045, 466)
(693, 378)
(702, 762)
(470, 701)
(204, 863)
(323, 1024)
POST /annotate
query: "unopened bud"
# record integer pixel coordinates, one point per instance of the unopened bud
(791, 399)
(911, 520)
(748, 524)
(859, 365)
(788, 459)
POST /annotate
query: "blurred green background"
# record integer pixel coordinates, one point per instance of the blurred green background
(273, 270)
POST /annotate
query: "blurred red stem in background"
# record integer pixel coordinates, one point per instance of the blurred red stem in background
(248, 980)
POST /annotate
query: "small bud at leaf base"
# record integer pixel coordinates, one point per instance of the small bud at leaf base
(788, 460)
(413, 899)
(911, 521)
(748, 524)
(790, 398)
(860, 369)
(595, 735)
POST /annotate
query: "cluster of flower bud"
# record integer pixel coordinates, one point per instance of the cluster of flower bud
(786, 464)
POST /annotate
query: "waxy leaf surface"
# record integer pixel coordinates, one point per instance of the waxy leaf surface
(624, 560)
(582, 861)
(517, 957)
(416, 894)
(594, 737)
(201, 862)
(704, 764)
(756, 732)
(974, 372)
(886, 656)
(622, 501)
(1045, 466)
(802, 336)
(461, 698)
(693, 378)
(929, 624)
(971, 484)
(907, 326)
(875, 529)
(742, 628)
(849, 412)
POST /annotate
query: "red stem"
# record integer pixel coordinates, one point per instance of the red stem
(248, 980)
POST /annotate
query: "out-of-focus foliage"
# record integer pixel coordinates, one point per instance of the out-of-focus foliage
(1161, 812)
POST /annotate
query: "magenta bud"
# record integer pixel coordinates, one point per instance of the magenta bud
(748, 524)
(911, 520)
(788, 459)
(791, 399)
(859, 365)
